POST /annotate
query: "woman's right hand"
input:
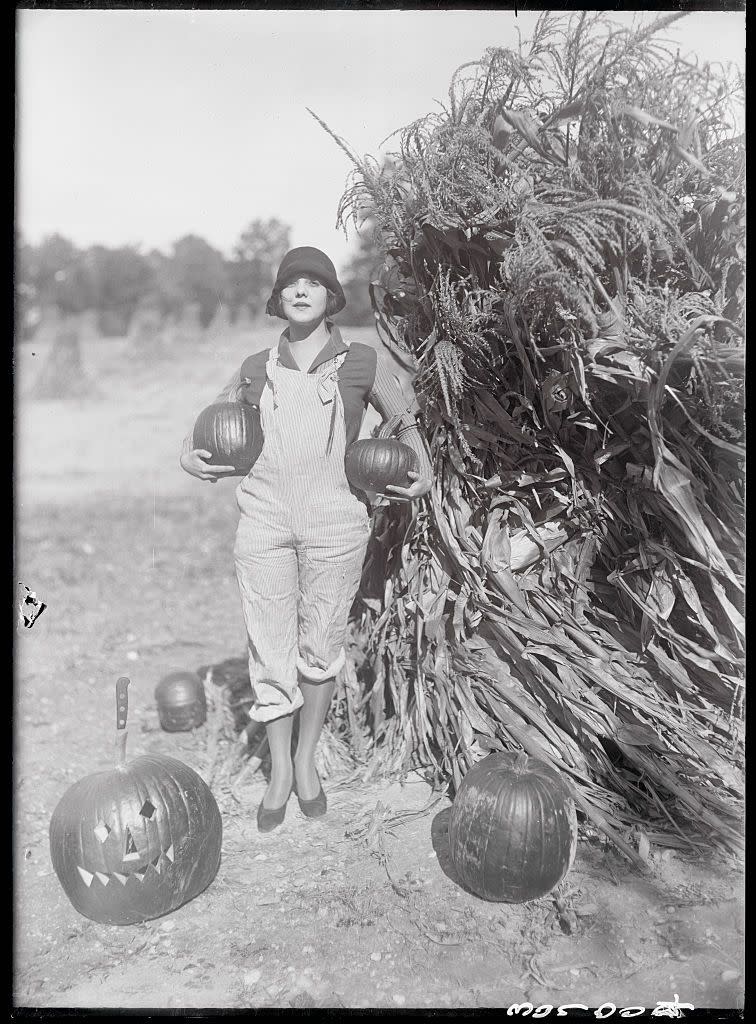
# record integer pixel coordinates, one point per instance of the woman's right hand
(194, 463)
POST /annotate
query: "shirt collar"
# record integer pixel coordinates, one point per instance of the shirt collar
(333, 347)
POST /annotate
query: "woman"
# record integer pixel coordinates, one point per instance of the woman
(303, 529)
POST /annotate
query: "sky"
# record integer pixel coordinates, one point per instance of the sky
(139, 127)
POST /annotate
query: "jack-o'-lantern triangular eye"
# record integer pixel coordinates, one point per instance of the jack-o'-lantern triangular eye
(147, 810)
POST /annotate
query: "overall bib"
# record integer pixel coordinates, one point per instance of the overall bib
(301, 540)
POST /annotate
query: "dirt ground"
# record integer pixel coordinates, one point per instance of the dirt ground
(358, 909)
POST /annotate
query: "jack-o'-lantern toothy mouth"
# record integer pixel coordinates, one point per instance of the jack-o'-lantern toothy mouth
(140, 873)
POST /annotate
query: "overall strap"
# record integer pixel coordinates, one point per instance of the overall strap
(331, 382)
(271, 372)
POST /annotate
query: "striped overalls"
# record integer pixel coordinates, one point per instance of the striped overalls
(301, 539)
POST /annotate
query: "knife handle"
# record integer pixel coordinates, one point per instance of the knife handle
(122, 701)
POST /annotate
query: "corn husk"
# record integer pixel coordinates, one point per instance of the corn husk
(568, 285)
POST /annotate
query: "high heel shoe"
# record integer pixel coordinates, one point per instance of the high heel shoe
(269, 818)
(314, 808)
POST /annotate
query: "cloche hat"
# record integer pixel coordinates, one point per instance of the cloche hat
(300, 262)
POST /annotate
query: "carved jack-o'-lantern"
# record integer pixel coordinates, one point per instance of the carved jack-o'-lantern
(137, 841)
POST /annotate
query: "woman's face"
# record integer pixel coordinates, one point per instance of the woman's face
(304, 301)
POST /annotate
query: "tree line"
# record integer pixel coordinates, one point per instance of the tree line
(56, 276)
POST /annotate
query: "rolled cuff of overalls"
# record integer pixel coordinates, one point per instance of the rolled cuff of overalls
(271, 702)
(319, 675)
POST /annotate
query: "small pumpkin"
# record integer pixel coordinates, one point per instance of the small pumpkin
(181, 701)
(232, 433)
(371, 464)
(137, 841)
(512, 828)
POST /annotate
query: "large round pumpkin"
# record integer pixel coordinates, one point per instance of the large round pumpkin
(137, 841)
(181, 701)
(231, 432)
(374, 462)
(512, 829)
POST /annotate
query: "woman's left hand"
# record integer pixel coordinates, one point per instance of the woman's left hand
(421, 486)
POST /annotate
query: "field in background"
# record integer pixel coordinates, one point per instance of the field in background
(127, 436)
(132, 558)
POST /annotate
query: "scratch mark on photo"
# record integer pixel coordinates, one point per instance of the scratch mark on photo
(31, 607)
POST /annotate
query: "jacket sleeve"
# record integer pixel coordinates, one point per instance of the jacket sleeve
(387, 397)
(225, 396)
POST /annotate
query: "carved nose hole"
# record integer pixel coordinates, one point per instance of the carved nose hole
(131, 851)
(147, 810)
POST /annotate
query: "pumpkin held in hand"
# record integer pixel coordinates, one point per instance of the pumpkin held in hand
(231, 432)
(181, 701)
(137, 841)
(512, 829)
(374, 462)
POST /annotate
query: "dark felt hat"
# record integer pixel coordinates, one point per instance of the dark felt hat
(301, 262)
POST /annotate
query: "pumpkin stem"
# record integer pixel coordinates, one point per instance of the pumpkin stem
(521, 762)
